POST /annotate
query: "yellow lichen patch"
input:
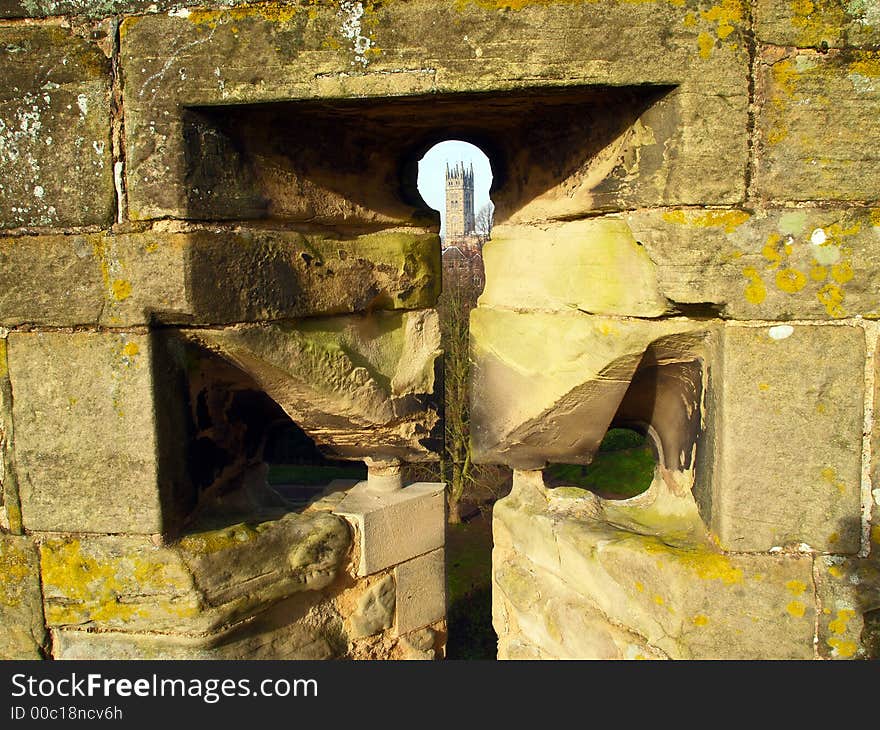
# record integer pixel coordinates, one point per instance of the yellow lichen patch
(213, 541)
(796, 587)
(818, 272)
(131, 349)
(274, 12)
(82, 588)
(874, 217)
(755, 290)
(700, 620)
(835, 570)
(4, 368)
(867, 65)
(690, 20)
(725, 15)
(830, 476)
(842, 648)
(705, 42)
(771, 253)
(640, 587)
(838, 625)
(875, 534)
(785, 76)
(522, 4)
(790, 280)
(831, 297)
(712, 566)
(730, 220)
(777, 133)
(796, 609)
(763, 386)
(842, 272)
(121, 289)
(659, 600)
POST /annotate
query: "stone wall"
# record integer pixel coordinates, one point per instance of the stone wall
(696, 260)
(190, 257)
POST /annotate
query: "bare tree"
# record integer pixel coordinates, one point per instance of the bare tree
(484, 220)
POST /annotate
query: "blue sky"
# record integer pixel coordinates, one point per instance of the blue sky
(432, 174)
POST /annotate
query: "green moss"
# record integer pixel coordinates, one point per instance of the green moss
(623, 467)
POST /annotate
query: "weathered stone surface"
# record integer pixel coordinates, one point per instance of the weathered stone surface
(96, 8)
(359, 385)
(375, 609)
(212, 278)
(788, 436)
(419, 645)
(211, 578)
(10, 504)
(22, 634)
(421, 592)
(97, 434)
(818, 23)
(848, 589)
(546, 385)
(873, 334)
(56, 167)
(697, 57)
(592, 265)
(776, 264)
(394, 527)
(50, 280)
(804, 95)
(301, 627)
(639, 578)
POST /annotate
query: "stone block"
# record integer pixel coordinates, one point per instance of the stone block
(302, 627)
(225, 58)
(361, 385)
(56, 161)
(589, 578)
(393, 527)
(818, 24)
(51, 280)
(421, 592)
(546, 385)
(804, 94)
(592, 265)
(776, 264)
(848, 589)
(788, 438)
(22, 634)
(212, 278)
(98, 434)
(210, 579)
(375, 609)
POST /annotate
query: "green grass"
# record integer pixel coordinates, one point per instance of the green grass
(310, 474)
(622, 468)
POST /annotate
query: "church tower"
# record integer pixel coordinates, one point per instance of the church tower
(459, 202)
